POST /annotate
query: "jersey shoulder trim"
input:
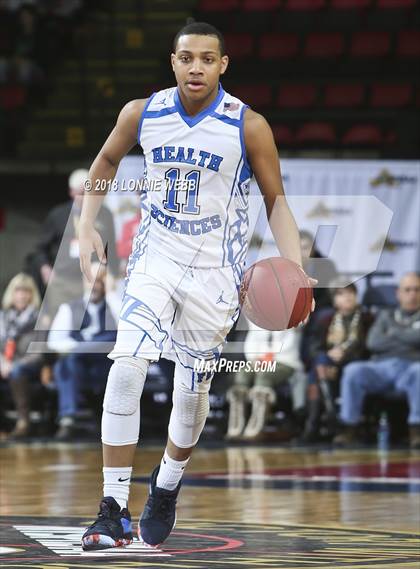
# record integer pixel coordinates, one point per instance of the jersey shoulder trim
(146, 106)
(163, 99)
(158, 105)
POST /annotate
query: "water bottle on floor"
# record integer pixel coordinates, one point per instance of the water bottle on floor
(383, 432)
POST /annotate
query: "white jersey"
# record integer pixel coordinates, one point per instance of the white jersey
(195, 206)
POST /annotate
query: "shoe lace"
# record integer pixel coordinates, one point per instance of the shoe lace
(163, 506)
(104, 511)
(103, 514)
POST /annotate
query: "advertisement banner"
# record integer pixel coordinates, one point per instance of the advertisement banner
(363, 214)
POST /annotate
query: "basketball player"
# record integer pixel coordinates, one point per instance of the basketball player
(184, 274)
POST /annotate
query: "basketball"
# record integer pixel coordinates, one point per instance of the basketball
(276, 294)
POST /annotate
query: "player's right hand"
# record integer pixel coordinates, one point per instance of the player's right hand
(90, 241)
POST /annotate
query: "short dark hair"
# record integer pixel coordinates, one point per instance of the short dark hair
(304, 234)
(339, 284)
(200, 29)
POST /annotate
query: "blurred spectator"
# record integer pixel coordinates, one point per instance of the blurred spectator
(124, 245)
(258, 387)
(18, 317)
(325, 272)
(394, 341)
(15, 5)
(64, 8)
(340, 339)
(128, 232)
(24, 48)
(13, 97)
(317, 267)
(26, 53)
(81, 370)
(57, 254)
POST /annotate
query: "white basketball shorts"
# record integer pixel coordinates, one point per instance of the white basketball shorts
(175, 311)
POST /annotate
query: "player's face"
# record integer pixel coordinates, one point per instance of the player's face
(21, 298)
(409, 293)
(198, 64)
(345, 301)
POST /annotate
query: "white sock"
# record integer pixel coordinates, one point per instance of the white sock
(117, 483)
(170, 472)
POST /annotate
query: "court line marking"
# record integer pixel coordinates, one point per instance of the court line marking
(65, 541)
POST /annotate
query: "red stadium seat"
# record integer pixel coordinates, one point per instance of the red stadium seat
(12, 97)
(296, 95)
(363, 134)
(324, 45)
(239, 45)
(370, 44)
(320, 132)
(344, 95)
(391, 14)
(398, 4)
(273, 46)
(391, 95)
(417, 97)
(282, 134)
(253, 95)
(408, 43)
(260, 5)
(304, 5)
(219, 5)
(350, 4)
(347, 14)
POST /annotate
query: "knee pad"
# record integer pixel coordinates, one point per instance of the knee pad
(192, 407)
(188, 417)
(125, 385)
(121, 416)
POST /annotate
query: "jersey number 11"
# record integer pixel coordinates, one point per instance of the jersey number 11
(189, 185)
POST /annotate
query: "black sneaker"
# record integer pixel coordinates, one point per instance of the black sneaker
(112, 528)
(159, 515)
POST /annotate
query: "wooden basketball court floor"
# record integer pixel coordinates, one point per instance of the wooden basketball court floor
(240, 507)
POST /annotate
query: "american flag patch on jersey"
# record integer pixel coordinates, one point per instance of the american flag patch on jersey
(230, 107)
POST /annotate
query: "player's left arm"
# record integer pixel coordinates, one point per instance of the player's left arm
(263, 157)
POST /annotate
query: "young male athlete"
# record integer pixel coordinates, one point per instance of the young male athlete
(184, 274)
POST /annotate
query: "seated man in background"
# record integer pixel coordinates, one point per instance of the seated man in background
(81, 369)
(257, 387)
(57, 252)
(340, 339)
(394, 341)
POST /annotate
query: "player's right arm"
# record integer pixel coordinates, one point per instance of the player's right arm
(121, 140)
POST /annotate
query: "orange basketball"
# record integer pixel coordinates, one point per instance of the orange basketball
(276, 294)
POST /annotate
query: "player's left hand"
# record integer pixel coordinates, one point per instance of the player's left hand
(90, 241)
(313, 282)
